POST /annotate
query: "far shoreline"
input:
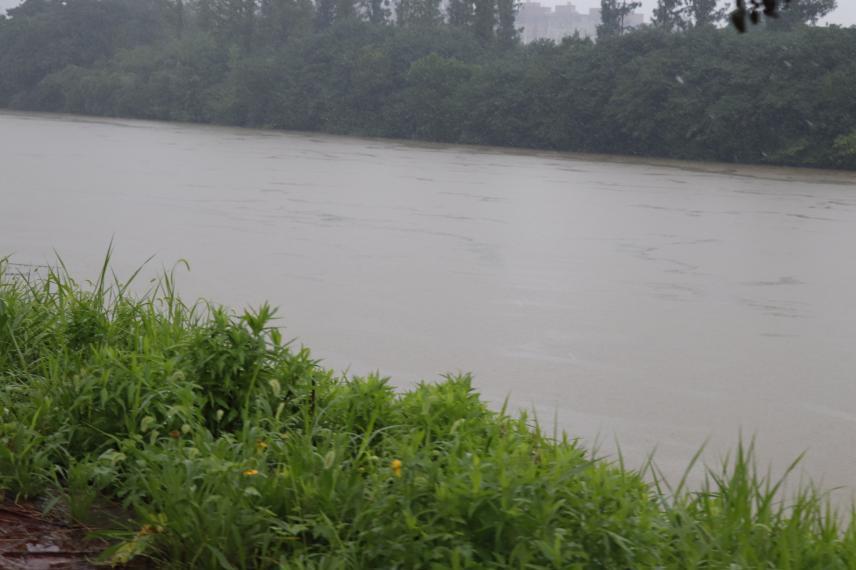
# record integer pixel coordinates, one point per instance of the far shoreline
(761, 171)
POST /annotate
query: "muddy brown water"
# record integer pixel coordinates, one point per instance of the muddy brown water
(658, 304)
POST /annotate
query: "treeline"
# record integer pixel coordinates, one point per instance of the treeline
(451, 73)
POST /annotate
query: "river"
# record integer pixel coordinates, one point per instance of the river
(656, 304)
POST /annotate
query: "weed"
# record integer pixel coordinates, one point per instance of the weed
(228, 448)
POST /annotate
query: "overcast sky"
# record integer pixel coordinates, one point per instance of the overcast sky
(845, 15)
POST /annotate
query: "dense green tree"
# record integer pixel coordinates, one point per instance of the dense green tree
(844, 149)
(325, 13)
(377, 11)
(799, 12)
(281, 20)
(177, 13)
(204, 10)
(460, 13)
(484, 19)
(704, 12)
(345, 10)
(43, 36)
(418, 13)
(669, 15)
(429, 104)
(650, 92)
(507, 33)
(232, 21)
(612, 15)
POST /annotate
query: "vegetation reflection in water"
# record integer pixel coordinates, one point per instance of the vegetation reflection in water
(229, 448)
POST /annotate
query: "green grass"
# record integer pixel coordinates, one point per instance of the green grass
(227, 448)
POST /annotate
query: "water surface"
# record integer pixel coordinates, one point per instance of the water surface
(657, 304)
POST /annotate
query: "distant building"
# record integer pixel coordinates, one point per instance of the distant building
(543, 22)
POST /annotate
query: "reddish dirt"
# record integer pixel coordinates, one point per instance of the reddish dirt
(29, 540)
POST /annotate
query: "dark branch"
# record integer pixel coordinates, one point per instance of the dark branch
(752, 10)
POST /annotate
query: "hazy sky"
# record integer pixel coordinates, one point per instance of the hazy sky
(846, 13)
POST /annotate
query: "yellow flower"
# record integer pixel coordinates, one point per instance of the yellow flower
(147, 530)
(395, 465)
(261, 446)
(250, 472)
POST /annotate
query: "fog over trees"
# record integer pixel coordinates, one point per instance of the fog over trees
(680, 87)
(844, 14)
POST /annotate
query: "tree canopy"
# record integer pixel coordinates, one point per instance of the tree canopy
(789, 12)
(453, 72)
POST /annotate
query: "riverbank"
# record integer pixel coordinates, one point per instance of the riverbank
(769, 172)
(774, 97)
(657, 306)
(229, 448)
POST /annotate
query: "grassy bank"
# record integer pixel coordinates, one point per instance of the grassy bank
(224, 447)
